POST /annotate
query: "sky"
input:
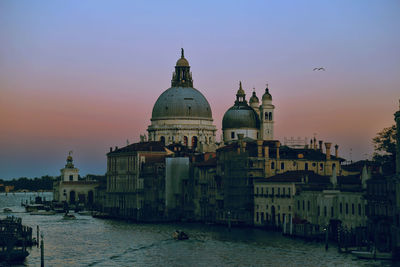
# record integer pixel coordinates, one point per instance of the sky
(84, 75)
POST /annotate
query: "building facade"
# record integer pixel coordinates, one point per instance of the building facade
(73, 190)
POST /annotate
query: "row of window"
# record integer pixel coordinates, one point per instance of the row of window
(321, 165)
(302, 206)
(272, 191)
(276, 218)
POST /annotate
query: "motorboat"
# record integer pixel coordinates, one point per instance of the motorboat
(68, 216)
(180, 235)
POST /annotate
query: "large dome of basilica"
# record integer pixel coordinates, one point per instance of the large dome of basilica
(182, 114)
(181, 103)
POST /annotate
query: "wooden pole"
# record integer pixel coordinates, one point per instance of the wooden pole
(37, 236)
(42, 252)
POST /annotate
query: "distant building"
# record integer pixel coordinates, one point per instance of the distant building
(69, 188)
(253, 121)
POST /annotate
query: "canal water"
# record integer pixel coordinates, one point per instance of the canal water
(88, 241)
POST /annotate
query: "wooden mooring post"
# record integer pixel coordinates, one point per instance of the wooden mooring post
(41, 252)
(37, 235)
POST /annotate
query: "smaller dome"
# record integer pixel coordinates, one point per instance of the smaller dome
(182, 62)
(240, 116)
(69, 158)
(266, 95)
(254, 98)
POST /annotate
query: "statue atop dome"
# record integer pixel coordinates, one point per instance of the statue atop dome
(182, 77)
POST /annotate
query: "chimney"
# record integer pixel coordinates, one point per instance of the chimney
(315, 144)
(116, 147)
(259, 148)
(320, 145)
(328, 150)
(336, 151)
(110, 148)
(278, 144)
(266, 152)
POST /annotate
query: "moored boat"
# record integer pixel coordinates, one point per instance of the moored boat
(14, 239)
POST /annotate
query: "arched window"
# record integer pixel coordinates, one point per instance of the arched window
(185, 140)
(270, 116)
(209, 140)
(194, 141)
(266, 116)
(272, 165)
(162, 139)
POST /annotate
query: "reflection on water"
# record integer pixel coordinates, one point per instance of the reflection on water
(87, 241)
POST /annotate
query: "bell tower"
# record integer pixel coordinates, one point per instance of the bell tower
(267, 116)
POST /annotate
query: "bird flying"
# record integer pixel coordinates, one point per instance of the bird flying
(318, 69)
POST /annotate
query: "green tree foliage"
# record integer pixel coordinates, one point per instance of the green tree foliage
(35, 184)
(385, 148)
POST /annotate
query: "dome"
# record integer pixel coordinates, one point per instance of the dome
(182, 62)
(254, 98)
(240, 116)
(266, 95)
(181, 102)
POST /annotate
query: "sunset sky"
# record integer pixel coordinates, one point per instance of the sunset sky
(84, 75)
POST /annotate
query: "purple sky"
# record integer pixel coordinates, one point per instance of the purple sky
(84, 75)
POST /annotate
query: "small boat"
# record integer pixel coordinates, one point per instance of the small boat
(372, 255)
(43, 212)
(34, 207)
(7, 210)
(68, 216)
(180, 235)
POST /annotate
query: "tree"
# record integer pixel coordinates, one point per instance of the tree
(385, 148)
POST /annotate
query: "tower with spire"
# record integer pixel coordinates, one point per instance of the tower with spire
(267, 116)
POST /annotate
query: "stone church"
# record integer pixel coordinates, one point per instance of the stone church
(182, 114)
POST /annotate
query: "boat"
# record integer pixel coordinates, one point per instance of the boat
(180, 235)
(7, 210)
(372, 255)
(34, 207)
(68, 216)
(14, 239)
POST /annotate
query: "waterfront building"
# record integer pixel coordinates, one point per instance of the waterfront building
(69, 188)
(135, 181)
(274, 198)
(383, 196)
(182, 114)
(204, 198)
(333, 201)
